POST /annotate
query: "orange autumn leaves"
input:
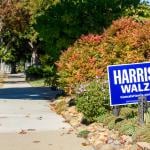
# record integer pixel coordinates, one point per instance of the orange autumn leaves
(80, 62)
(125, 41)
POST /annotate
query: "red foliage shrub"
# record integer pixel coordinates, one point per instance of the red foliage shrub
(80, 62)
(125, 41)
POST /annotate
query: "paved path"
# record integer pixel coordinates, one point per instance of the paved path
(27, 123)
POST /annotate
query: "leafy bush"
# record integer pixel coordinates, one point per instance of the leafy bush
(49, 70)
(49, 73)
(34, 72)
(93, 100)
(80, 63)
(125, 41)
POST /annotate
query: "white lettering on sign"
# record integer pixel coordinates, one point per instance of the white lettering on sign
(133, 80)
(117, 76)
(127, 76)
(130, 88)
(132, 76)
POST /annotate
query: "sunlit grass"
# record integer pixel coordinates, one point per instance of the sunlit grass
(37, 83)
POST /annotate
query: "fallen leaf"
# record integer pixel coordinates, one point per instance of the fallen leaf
(22, 132)
(3, 117)
(62, 134)
(85, 144)
(27, 116)
(31, 129)
(36, 141)
(39, 118)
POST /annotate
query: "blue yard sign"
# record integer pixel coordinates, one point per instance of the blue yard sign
(127, 82)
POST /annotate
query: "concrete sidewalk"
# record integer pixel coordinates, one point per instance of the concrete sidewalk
(27, 123)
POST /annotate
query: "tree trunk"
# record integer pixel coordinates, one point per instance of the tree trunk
(35, 58)
(13, 68)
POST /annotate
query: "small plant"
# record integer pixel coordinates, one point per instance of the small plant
(128, 129)
(142, 134)
(128, 112)
(111, 124)
(83, 133)
(108, 119)
(101, 118)
(93, 100)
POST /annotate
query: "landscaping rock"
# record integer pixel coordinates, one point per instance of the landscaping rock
(98, 146)
(67, 116)
(116, 142)
(126, 139)
(74, 123)
(143, 146)
(106, 147)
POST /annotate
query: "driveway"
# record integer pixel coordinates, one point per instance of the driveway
(28, 123)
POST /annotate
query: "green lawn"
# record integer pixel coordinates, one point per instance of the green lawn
(37, 83)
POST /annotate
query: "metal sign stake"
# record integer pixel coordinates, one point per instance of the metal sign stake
(116, 111)
(142, 108)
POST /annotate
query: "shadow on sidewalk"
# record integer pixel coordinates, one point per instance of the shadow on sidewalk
(28, 93)
(13, 82)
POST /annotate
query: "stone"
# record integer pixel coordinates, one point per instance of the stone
(143, 146)
(110, 140)
(74, 123)
(116, 142)
(133, 147)
(102, 129)
(98, 146)
(72, 110)
(126, 139)
(102, 138)
(67, 116)
(106, 147)
(129, 140)
(114, 136)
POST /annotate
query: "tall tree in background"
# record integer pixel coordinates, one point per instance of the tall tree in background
(66, 20)
(142, 11)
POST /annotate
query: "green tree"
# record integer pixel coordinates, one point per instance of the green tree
(60, 24)
(142, 11)
(14, 20)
